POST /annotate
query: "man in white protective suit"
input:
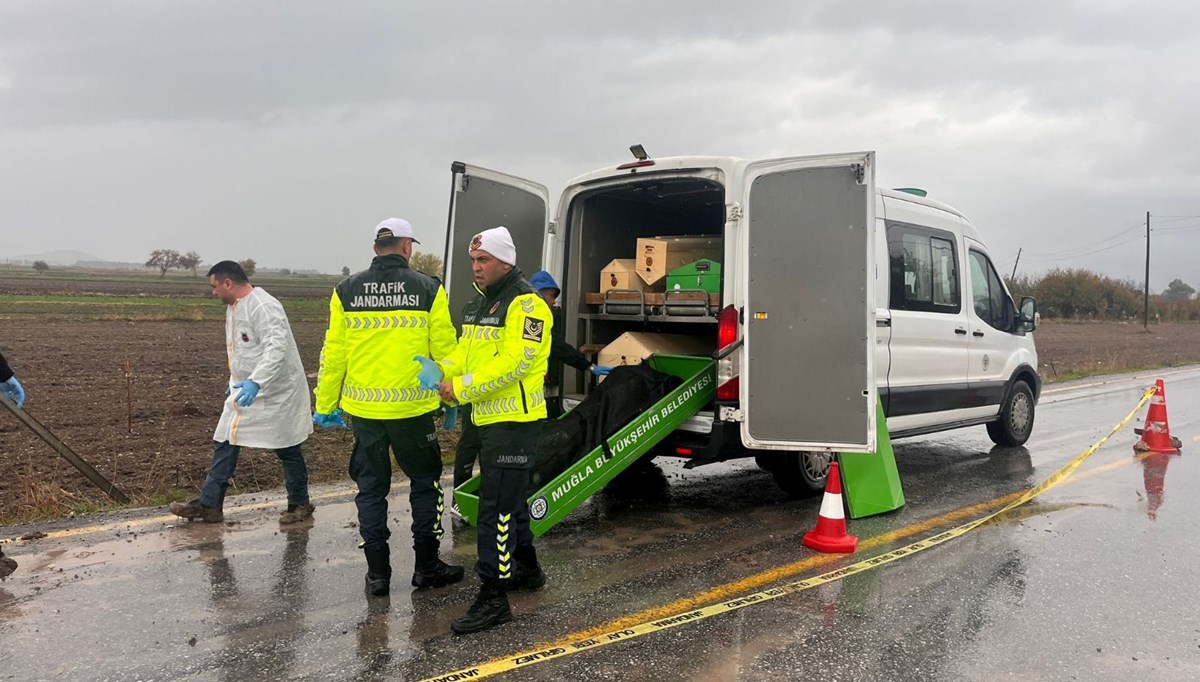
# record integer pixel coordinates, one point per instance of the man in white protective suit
(267, 402)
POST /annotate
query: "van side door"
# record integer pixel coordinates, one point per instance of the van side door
(927, 377)
(481, 199)
(992, 354)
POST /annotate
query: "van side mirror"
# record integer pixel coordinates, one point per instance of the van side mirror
(1029, 317)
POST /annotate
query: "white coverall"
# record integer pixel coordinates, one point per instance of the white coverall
(261, 348)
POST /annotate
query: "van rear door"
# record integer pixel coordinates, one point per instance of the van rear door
(809, 309)
(482, 199)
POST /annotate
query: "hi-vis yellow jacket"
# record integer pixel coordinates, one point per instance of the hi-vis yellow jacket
(500, 363)
(378, 320)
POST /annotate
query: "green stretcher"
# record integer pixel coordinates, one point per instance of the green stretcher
(581, 480)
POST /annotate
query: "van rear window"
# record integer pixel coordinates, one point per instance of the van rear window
(923, 272)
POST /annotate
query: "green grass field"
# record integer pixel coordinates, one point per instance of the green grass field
(52, 307)
(82, 294)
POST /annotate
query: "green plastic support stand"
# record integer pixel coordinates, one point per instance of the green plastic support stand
(870, 480)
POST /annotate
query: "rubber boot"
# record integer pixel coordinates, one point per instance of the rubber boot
(528, 575)
(431, 571)
(489, 610)
(379, 572)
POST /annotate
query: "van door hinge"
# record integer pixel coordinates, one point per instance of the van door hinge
(552, 228)
(858, 172)
(733, 212)
(731, 414)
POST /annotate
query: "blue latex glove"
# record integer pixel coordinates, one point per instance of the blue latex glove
(13, 390)
(430, 373)
(451, 418)
(600, 370)
(247, 393)
(331, 420)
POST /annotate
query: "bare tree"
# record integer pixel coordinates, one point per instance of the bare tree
(40, 266)
(248, 265)
(163, 259)
(427, 263)
(190, 261)
(345, 271)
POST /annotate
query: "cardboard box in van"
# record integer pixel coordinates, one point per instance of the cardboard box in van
(657, 256)
(631, 348)
(621, 273)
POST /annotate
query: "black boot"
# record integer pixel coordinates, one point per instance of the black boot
(489, 610)
(379, 572)
(430, 570)
(528, 575)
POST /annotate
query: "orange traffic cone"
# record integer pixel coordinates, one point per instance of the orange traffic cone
(830, 533)
(1156, 434)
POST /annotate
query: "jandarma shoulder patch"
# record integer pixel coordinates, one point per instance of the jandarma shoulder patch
(533, 329)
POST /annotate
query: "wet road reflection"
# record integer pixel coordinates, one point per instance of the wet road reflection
(1154, 478)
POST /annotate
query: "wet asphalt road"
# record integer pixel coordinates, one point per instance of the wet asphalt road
(1095, 580)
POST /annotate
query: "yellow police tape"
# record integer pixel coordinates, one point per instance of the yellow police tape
(527, 658)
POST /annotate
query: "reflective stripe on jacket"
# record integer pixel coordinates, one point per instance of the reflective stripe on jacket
(499, 365)
(378, 320)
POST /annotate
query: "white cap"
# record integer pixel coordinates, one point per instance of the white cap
(395, 227)
(498, 242)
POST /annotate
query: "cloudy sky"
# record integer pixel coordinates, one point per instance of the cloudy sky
(283, 131)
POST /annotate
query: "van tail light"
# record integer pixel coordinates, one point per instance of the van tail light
(728, 384)
(727, 326)
(729, 389)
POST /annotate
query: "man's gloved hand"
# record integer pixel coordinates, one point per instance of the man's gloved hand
(600, 370)
(13, 390)
(248, 391)
(430, 373)
(331, 420)
(450, 418)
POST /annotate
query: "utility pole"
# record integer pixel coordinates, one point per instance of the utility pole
(1014, 275)
(1146, 293)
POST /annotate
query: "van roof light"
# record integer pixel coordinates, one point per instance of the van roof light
(639, 153)
(913, 190)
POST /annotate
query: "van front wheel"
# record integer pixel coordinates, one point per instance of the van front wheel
(799, 474)
(1016, 417)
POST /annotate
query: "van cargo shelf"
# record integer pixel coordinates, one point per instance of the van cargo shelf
(682, 305)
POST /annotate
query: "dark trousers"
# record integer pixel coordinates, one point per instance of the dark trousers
(413, 442)
(224, 464)
(468, 448)
(505, 458)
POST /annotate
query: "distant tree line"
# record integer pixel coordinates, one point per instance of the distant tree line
(1083, 294)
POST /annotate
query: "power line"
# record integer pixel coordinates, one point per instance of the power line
(1088, 251)
(1133, 229)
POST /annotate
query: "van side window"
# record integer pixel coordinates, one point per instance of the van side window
(992, 303)
(923, 270)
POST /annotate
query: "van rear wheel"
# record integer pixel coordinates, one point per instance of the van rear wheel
(1016, 417)
(799, 474)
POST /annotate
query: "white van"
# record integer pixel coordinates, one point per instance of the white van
(834, 294)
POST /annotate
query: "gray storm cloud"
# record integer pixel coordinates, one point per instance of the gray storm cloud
(278, 130)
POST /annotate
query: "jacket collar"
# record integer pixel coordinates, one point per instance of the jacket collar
(513, 276)
(392, 261)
